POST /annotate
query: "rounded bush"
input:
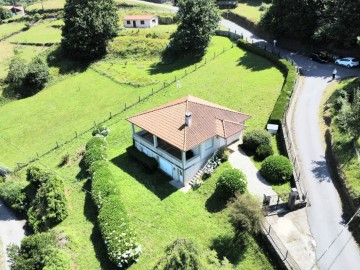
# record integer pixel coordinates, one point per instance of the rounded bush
(102, 185)
(96, 142)
(263, 151)
(229, 182)
(101, 130)
(94, 154)
(276, 169)
(256, 137)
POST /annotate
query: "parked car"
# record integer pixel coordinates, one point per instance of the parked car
(348, 62)
(319, 57)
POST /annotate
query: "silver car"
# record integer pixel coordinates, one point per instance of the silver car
(348, 62)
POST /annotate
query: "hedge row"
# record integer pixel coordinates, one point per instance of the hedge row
(150, 163)
(120, 240)
(289, 73)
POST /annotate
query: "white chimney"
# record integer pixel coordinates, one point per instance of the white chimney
(188, 119)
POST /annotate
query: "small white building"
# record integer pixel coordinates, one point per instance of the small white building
(181, 135)
(140, 21)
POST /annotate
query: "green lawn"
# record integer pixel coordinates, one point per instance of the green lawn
(236, 79)
(250, 9)
(244, 82)
(49, 4)
(9, 28)
(45, 32)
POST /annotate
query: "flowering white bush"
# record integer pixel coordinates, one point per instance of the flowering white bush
(121, 243)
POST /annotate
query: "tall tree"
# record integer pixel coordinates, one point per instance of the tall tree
(340, 23)
(292, 18)
(197, 20)
(89, 25)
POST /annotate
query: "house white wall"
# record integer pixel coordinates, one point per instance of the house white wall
(148, 23)
(201, 155)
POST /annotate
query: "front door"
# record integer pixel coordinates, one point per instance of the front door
(134, 24)
(181, 177)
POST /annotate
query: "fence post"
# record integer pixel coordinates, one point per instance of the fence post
(125, 106)
(57, 145)
(139, 98)
(286, 255)
(37, 154)
(152, 91)
(94, 123)
(110, 116)
(269, 229)
(76, 134)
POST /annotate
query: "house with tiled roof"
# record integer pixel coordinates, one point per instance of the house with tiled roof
(140, 21)
(184, 133)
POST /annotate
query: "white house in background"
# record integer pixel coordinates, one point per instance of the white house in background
(140, 21)
(15, 10)
(183, 134)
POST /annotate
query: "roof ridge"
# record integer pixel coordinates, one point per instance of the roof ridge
(172, 103)
(185, 128)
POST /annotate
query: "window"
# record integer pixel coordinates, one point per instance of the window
(154, 21)
(128, 22)
(209, 144)
(142, 22)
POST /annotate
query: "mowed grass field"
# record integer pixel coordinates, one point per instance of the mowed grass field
(236, 79)
(49, 4)
(45, 32)
(9, 28)
(250, 9)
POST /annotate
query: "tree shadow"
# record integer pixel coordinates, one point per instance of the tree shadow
(58, 59)
(321, 171)
(233, 247)
(157, 182)
(215, 203)
(90, 212)
(171, 61)
(253, 3)
(252, 63)
(83, 173)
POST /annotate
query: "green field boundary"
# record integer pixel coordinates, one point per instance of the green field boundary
(126, 106)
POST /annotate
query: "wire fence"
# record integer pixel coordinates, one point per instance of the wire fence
(164, 85)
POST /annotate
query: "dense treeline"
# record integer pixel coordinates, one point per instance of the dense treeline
(333, 23)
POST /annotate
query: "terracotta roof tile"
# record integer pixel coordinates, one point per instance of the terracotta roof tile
(208, 120)
(139, 17)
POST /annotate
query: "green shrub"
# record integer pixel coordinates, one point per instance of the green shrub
(17, 70)
(96, 142)
(223, 154)
(5, 14)
(101, 130)
(256, 137)
(148, 162)
(48, 207)
(94, 154)
(12, 192)
(39, 251)
(230, 182)
(277, 169)
(97, 165)
(36, 77)
(263, 151)
(246, 214)
(102, 185)
(65, 159)
(120, 240)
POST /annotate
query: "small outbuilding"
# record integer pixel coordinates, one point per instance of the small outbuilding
(16, 10)
(140, 21)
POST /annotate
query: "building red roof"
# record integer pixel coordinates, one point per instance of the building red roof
(207, 120)
(139, 17)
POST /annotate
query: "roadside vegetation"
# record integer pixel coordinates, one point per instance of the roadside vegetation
(343, 127)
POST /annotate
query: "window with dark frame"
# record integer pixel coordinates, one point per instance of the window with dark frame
(142, 22)
(128, 22)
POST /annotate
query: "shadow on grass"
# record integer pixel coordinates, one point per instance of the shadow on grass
(157, 182)
(169, 64)
(90, 213)
(215, 203)
(82, 174)
(57, 58)
(254, 63)
(233, 247)
(253, 3)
